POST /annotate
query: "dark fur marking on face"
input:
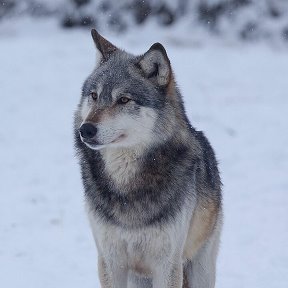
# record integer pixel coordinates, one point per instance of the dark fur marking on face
(106, 94)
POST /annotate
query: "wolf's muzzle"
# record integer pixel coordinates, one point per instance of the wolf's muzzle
(88, 131)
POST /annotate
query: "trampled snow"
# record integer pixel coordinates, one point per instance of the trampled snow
(237, 94)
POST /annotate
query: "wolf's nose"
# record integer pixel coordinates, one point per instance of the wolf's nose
(88, 130)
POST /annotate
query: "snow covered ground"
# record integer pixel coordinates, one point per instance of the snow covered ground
(236, 94)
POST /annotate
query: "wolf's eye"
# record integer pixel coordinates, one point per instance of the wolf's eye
(123, 100)
(93, 95)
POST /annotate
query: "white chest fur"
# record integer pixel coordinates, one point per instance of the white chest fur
(121, 164)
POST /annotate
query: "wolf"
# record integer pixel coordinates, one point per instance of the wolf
(151, 181)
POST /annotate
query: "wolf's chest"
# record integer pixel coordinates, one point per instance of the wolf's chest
(130, 192)
(120, 165)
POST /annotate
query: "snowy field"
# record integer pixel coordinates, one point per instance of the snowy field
(237, 94)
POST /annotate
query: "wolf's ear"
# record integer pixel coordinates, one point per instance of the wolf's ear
(155, 65)
(103, 46)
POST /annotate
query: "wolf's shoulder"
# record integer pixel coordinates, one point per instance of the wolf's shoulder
(209, 164)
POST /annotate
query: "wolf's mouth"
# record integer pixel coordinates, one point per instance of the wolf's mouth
(119, 138)
(93, 144)
(90, 142)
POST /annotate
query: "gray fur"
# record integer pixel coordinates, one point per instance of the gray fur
(149, 177)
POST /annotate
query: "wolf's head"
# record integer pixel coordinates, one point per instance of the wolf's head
(128, 100)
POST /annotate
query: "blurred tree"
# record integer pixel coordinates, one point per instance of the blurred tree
(79, 3)
(246, 19)
(6, 7)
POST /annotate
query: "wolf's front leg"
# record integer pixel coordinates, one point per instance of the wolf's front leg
(168, 276)
(112, 275)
